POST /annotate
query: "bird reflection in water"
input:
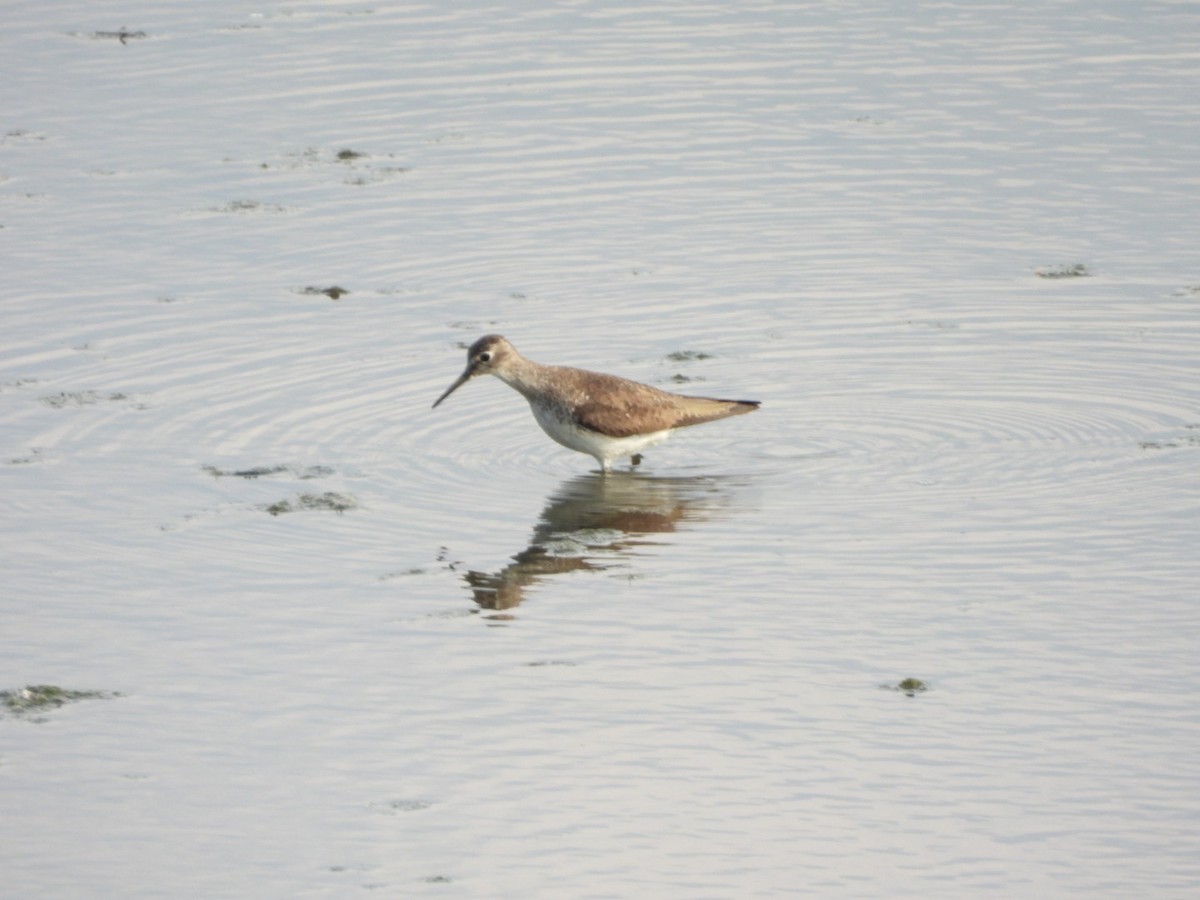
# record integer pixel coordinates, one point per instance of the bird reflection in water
(593, 523)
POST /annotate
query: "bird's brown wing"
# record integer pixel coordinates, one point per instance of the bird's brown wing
(641, 409)
(624, 419)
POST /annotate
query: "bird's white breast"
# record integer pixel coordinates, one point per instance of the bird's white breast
(604, 448)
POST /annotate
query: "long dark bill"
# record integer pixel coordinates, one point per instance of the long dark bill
(458, 382)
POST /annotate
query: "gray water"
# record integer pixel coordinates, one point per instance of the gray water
(359, 644)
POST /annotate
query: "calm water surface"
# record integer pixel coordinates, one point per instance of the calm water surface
(365, 645)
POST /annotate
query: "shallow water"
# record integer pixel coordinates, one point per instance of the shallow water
(494, 673)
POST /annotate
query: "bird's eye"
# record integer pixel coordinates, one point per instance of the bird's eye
(485, 356)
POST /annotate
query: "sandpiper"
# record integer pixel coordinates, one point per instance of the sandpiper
(602, 415)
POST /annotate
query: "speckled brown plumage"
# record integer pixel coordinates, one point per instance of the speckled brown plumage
(603, 415)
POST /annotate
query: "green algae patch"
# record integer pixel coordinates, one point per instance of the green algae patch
(333, 292)
(64, 399)
(241, 207)
(33, 699)
(329, 500)
(304, 473)
(1079, 270)
(124, 35)
(249, 474)
(910, 687)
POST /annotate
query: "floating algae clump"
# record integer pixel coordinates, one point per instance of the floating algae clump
(36, 698)
(339, 503)
(1079, 270)
(909, 686)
